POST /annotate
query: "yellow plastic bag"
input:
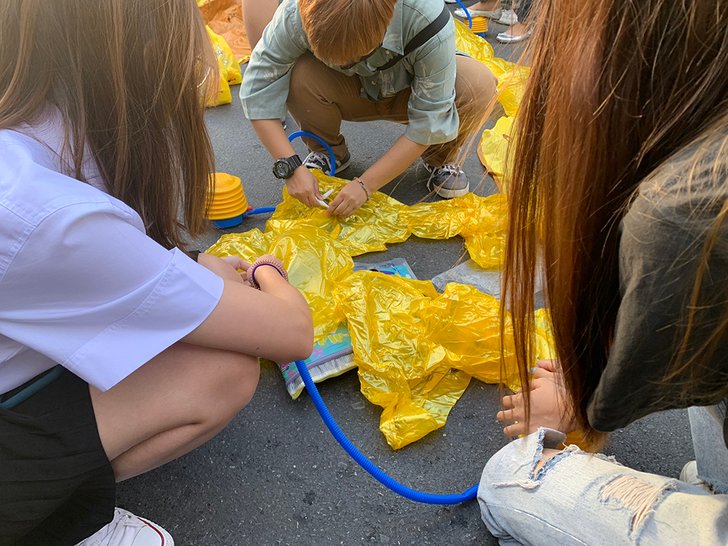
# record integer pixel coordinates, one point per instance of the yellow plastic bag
(481, 221)
(370, 229)
(511, 87)
(475, 46)
(493, 150)
(511, 77)
(315, 262)
(416, 349)
(229, 68)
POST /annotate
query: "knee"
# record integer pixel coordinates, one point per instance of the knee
(228, 387)
(476, 89)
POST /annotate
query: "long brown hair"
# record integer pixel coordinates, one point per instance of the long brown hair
(616, 88)
(129, 79)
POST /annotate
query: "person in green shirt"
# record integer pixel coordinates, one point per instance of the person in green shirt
(360, 60)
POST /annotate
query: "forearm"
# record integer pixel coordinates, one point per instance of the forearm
(271, 134)
(271, 282)
(394, 162)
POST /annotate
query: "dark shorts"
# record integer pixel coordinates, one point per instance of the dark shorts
(56, 484)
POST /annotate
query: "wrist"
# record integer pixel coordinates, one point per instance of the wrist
(267, 262)
(363, 185)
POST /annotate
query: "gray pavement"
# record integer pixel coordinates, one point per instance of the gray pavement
(276, 476)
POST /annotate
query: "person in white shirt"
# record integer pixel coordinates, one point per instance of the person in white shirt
(118, 352)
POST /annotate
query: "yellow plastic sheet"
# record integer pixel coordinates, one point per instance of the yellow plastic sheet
(416, 349)
(493, 150)
(228, 66)
(383, 220)
(511, 77)
(370, 229)
(315, 262)
(481, 221)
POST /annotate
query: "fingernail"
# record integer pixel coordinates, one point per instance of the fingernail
(532, 370)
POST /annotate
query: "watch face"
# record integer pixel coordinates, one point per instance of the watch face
(281, 169)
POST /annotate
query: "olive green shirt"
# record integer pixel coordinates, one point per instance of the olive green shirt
(428, 70)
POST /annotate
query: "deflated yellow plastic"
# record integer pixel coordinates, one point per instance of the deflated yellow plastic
(370, 229)
(416, 349)
(473, 45)
(481, 221)
(230, 73)
(511, 87)
(511, 77)
(314, 261)
(383, 220)
(493, 150)
(316, 264)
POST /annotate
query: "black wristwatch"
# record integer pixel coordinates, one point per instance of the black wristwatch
(283, 168)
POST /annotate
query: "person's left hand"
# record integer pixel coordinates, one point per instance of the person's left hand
(348, 200)
(548, 400)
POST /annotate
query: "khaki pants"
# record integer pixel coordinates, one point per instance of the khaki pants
(320, 98)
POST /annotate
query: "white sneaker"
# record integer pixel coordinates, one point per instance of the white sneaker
(126, 529)
(493, 14)
(689, 474)
(508, 17)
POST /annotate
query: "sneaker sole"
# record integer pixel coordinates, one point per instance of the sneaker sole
(343, 166)
(450, 194)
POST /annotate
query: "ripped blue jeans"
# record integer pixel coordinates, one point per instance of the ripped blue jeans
(590, 499)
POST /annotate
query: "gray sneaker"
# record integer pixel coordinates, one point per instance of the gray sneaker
(447, 180)
(320, 160)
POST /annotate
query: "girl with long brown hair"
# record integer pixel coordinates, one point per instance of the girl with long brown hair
(118, 351)
(619, 199)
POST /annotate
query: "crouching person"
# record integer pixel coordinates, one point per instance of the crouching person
(118, 351)
(361, 60)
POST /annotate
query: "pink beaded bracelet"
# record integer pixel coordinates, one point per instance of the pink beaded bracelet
(269, 261)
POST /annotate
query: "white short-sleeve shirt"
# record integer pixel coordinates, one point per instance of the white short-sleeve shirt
(81, 284)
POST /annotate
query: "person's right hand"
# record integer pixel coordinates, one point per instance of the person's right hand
(231, 268)
(548, 400)
(304, 187)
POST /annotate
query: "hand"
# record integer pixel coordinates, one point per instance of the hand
(229, 267)
(548, 400)
(304, 187)
(348, 200)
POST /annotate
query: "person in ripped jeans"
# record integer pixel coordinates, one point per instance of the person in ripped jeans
(620, 188)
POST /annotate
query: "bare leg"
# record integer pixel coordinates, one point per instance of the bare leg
(171, 405)
(257, 14)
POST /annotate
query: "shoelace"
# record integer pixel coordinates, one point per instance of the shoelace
(448, 168)
(317, 160)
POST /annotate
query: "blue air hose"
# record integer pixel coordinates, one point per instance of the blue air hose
(366, 464)
(332, 157)
(259, 210)
(467, 12)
